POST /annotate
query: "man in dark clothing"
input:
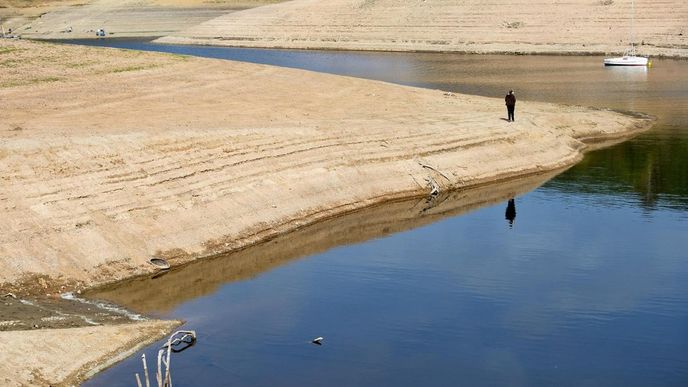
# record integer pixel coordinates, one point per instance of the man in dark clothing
(510, 100)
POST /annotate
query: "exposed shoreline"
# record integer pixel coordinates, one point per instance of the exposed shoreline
(160, 294)
(239, 113)
(67, 357)
(520, 49)
(157, 39)
(505, 27)
(114, 156)
(510, 27)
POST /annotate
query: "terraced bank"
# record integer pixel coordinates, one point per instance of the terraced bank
(111, 157)
(474, 26)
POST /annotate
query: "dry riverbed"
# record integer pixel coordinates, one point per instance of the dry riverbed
(111, 157)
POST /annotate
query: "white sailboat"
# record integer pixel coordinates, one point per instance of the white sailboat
(629, 57)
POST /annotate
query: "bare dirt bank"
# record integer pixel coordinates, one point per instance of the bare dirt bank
(162, 293)
(111, 157)
(66, 357)
(473, 26)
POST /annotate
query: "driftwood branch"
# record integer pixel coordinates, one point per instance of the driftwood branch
(435, 169)
(158, 374)
(145, 369)
(177, 342)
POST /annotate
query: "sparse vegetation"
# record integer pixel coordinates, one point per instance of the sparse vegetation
(26, 82)
(21, 66)
(30, 3)
(80, 64)
(367, 3)
(514, 25)
(9, 63)
(606, 2)
(5, 50)
(130, 68)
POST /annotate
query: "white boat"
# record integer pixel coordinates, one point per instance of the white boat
(629, 57)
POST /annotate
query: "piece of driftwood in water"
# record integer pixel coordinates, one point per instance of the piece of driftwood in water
(180, 341)
(145, 372)
(163, 376)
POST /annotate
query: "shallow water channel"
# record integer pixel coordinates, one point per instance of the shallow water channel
(587, 286)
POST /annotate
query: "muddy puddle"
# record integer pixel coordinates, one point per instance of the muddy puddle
(59, 311)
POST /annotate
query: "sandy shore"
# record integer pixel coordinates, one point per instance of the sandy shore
(110, 157)
(66, 357)
(473, 26)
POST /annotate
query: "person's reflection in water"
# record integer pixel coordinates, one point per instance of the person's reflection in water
(510, 214)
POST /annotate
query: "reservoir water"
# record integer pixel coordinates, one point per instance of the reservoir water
(581, 281)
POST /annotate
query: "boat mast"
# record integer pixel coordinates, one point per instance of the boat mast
(632, 28)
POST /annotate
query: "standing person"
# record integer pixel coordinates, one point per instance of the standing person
(510, 100)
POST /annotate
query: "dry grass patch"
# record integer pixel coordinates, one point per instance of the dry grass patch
(32, 3)
(22, 66)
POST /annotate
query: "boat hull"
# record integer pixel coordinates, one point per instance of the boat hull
(626, 61)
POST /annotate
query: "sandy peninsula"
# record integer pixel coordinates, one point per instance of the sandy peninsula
(111, 157)
(473, 26)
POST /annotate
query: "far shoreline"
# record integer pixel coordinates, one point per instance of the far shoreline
(153, 40)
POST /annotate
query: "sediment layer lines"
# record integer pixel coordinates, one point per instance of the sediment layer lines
(194, 157)
(579, 26)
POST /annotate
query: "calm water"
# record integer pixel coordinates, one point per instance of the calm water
(588, 287)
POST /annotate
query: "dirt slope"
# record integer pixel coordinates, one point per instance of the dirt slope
(110, 157)
(506, 26)
(65, 357)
